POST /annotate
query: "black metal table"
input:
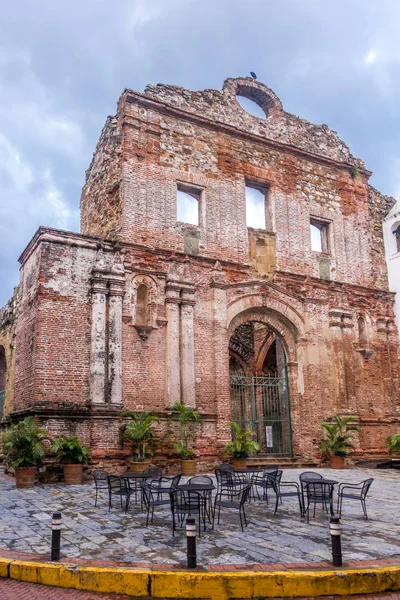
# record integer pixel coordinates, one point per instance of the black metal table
(202, 491)
(136, 477)
(312, 481)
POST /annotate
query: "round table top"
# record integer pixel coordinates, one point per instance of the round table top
(136, 475)
(330, 481)
(194, 487)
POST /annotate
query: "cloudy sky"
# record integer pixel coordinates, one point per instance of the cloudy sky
(63, 66)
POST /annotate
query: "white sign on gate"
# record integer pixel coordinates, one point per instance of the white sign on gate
(268, 436)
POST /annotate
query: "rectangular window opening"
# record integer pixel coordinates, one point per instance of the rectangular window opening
(319, 236)
(256, 206)
(188, 205)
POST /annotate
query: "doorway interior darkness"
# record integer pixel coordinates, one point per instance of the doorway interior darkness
(259, 386)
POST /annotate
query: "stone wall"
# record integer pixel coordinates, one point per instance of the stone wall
(138, 310)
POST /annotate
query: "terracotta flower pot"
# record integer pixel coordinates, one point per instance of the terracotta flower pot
(239, 463)
(73, 474)
(336, 462)
(138, 467)
(188, 467)
(25, 477)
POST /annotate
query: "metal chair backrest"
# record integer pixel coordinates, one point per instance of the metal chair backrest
(175, 480)
(269, 468)
(201, 479)
(310, 475)
(153, 472)
(319, 491)
(223, 476)
(100, 475)
(116, 483)
(366, 485)
(274, 479)
(226, 467)
(245, 494)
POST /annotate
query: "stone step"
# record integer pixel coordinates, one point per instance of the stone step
(284, 462)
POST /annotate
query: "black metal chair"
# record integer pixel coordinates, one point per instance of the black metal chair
(207, 494)
(186, 504)
(226, 467)
(153, 472)
(307, 475)
(232, 499)
(164, 485)
(354, 491)
(117, 486)
(318, 492)
(100, 478)
(266, 482)
(286, 489)
(229, 480)
(152, 500)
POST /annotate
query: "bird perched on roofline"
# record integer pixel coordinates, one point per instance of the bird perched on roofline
(254, 76)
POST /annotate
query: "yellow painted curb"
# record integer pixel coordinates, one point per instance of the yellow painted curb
(198, 584)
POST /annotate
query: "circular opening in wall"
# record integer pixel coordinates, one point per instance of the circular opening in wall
(255, 101)
(251, 107)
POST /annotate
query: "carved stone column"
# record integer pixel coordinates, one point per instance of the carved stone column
(187, 345)
(115, 341)
(172, 302)
(98, 340)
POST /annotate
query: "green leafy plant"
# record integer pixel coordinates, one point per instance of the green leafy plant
(393, 443)
(354, 171)
(339, 434)
(186, 418)
(139, 432)
(69, 450)
(23, 444)
(241, 446)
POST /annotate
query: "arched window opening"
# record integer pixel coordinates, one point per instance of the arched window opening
(3, 371)
(142, 305)
(362, 331)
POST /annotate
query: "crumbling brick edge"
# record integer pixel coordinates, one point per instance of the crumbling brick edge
(219, 582)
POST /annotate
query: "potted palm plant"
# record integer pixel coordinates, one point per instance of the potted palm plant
(241, 446)
(338, 441)
(187, 417)
(24, 449)
(72, 454)
(393, 443)
(139, 432)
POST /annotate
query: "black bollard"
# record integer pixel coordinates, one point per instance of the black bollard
(55, 536)
(191, 542)
(334, 526)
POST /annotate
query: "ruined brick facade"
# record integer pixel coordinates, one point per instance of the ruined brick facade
(139, 310)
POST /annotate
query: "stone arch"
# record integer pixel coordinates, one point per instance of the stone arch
(281, 318)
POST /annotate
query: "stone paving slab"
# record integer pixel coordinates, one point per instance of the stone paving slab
(96, 534)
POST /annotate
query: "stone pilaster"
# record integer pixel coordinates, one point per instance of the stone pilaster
(172, 302)
(98, 340)
(187, 345)
(221, 354)
(115, 341)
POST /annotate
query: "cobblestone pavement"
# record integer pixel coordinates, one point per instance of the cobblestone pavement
(94, 533)
(18, 590)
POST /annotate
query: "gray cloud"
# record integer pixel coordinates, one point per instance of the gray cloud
(64, 65)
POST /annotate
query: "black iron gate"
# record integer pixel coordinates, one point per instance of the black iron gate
(262, 404)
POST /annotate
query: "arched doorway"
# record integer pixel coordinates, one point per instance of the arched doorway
(3, 371)
(259, 389)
